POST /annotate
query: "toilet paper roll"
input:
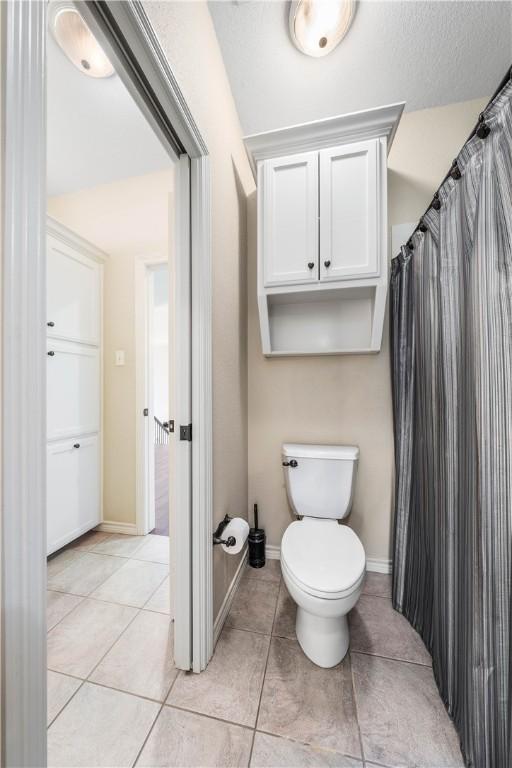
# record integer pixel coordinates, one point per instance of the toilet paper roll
(238, 528)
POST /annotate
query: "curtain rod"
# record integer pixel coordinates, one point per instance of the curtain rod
(482, 130)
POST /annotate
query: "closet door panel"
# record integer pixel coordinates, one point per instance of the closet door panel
(73, 389)
(349, 212)
(73, 489)
(290, 219)
(73, 294)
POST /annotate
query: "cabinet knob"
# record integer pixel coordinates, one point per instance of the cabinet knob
(76, 445)
(50, 324)
(311, 264)
(50, 353)
(327, 263)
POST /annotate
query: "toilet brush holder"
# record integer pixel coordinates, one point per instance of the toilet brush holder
(257, 540)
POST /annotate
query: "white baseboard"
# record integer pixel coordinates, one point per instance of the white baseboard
(272, 552)
(109, 526)
(378, 565)
(228, 599)
(374, 564)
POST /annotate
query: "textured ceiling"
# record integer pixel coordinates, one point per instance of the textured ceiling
(425, 53)
(96, 133)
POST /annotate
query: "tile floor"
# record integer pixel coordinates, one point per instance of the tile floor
(115, 698)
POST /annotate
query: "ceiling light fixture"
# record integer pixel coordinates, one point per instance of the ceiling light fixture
(318, 26)
(77, 41)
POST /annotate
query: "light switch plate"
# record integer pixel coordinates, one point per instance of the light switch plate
(120, 357)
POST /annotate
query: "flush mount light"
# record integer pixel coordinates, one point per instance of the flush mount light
(317, 26)
(77, 41)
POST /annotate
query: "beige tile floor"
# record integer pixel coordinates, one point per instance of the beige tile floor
(115, 698)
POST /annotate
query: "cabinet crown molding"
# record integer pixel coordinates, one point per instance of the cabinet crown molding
(70, 238)
(377, 123)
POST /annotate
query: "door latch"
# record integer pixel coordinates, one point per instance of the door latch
(146, 412)
(186, 432)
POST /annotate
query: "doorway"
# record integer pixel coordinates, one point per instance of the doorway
(125, 33)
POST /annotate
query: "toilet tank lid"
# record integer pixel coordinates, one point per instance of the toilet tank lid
(306, 451)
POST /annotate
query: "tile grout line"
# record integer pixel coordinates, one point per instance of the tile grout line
(145, 741)
(361, 745)
(392, 658)
(210, 717)
(61, 710)
(66, 614)
(310, 745)
(265, 672)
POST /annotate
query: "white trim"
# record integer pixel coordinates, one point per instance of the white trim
(110, 526)
(272, 552)
(320, 134)
(23, 534)
(378, 565)
(180, 451)
(202, 416)
(229, 597)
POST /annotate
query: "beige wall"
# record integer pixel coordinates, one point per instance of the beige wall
(345, 399)
(187, 35)
(127, 219)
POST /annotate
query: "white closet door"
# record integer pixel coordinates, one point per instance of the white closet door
(73, 294)
(348, 211)
(73, 389)
(73, 489)
(290, 219)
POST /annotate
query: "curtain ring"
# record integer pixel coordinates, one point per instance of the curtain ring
(483, 129)
(455, 171)
(436, 203)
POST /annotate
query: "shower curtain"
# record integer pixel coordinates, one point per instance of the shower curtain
(451, 339)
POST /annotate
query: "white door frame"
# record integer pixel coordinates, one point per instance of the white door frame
(131, 43)
(145, 471)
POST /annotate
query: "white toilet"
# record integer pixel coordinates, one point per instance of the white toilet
(323, 562)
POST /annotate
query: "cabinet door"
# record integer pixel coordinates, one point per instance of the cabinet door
(348, 212)
(73, 489)
(73, 389)
(73, 294)
(290, 219)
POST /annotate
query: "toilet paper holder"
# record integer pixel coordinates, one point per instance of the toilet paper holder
(217, 534)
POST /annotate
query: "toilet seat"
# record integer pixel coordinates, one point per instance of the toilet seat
(323, 558)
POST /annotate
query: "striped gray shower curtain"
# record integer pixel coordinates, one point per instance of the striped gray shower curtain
(451, 338)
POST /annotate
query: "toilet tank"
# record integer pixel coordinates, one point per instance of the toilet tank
(320, 479)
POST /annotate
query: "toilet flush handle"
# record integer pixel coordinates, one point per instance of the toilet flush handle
(291, 463)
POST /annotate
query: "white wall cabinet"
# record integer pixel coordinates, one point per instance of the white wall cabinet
(74, 385)
(290, 209)
(322, 233)
(73, 489)
(349, 225)
(73, 389)
(73, 293)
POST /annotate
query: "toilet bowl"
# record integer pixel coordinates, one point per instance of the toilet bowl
(323, 562)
